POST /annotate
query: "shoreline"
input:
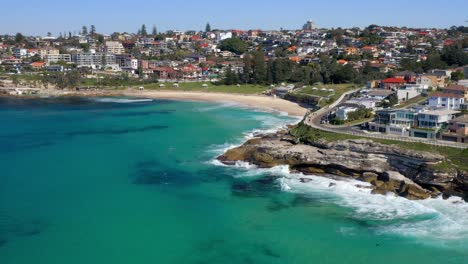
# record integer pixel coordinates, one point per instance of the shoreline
(261, 102)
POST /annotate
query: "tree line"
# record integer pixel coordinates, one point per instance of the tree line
(258, 70)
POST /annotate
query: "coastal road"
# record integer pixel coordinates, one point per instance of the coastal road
(313, 120)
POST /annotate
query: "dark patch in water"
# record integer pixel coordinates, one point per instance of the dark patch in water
(275, 206)
(116, 131)
(30, 232)
(255, 188)
(267, 251)
(305, 201)
(11, 227)
(3, 242)
(210, 245)
(143, 113)
(18, 145)
(69, 103)
(153, 173)
(214, 175)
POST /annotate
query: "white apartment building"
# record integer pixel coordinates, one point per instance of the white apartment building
(114, 47)
(54, 58)
(93, 60)
(20, 53)
(48, 51)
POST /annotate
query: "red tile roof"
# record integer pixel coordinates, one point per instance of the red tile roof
(37, 64)
(394, 80)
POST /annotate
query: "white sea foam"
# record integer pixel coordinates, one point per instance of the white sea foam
(432, 219)
(121, 100)
(220, 105)
(436, 221)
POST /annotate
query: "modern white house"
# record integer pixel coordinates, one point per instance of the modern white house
(435, 118)
(410, 91)
(365, 101)
(343, 111)
(447, 101)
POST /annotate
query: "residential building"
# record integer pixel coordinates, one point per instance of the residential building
(48, 51)
(463, 82)
(20, 53)
(435, 118)
(126, 62)
(447, 101)
(54, 58)
(394, 121)
(410, 91)
(433, 80)
(37, 65)
(224, 35)
(392, 83)
(93, 60)
(114, 47)
(343, 111)
(457, 130)
(365, 102)
(309, 25)
(379, 94)
(457, 89)
(431, 121)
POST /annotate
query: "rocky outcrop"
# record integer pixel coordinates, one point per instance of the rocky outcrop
(388, 168)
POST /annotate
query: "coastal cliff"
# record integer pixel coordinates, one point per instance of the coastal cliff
(408, 173)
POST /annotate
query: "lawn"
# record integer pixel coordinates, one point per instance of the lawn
(328, 97)
(455, 157)
(212, 88)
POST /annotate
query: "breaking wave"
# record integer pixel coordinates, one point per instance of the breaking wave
(436, 221)
(121, 100)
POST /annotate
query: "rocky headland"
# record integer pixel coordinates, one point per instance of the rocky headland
(388, 168)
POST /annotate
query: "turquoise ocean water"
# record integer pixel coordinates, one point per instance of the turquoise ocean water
(105, 180)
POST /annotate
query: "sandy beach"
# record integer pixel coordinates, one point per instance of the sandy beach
(262, 102)
(254, 101)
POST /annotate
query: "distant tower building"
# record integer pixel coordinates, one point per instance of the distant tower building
(310, 25)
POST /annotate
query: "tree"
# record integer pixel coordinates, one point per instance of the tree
(230, 77)
(93, 30)
(100, 38)
(154, 31)
(143, 31)
(19, 38)
(84, 30)
(360, 113)
(454, 55)
(259, 72)
(49, 34)
(344, 74)
(235, 45)
(85, 47)
(208, 27)
(433, 61)
(457, 75)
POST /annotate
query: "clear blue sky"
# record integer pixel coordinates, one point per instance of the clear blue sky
(38, 17)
